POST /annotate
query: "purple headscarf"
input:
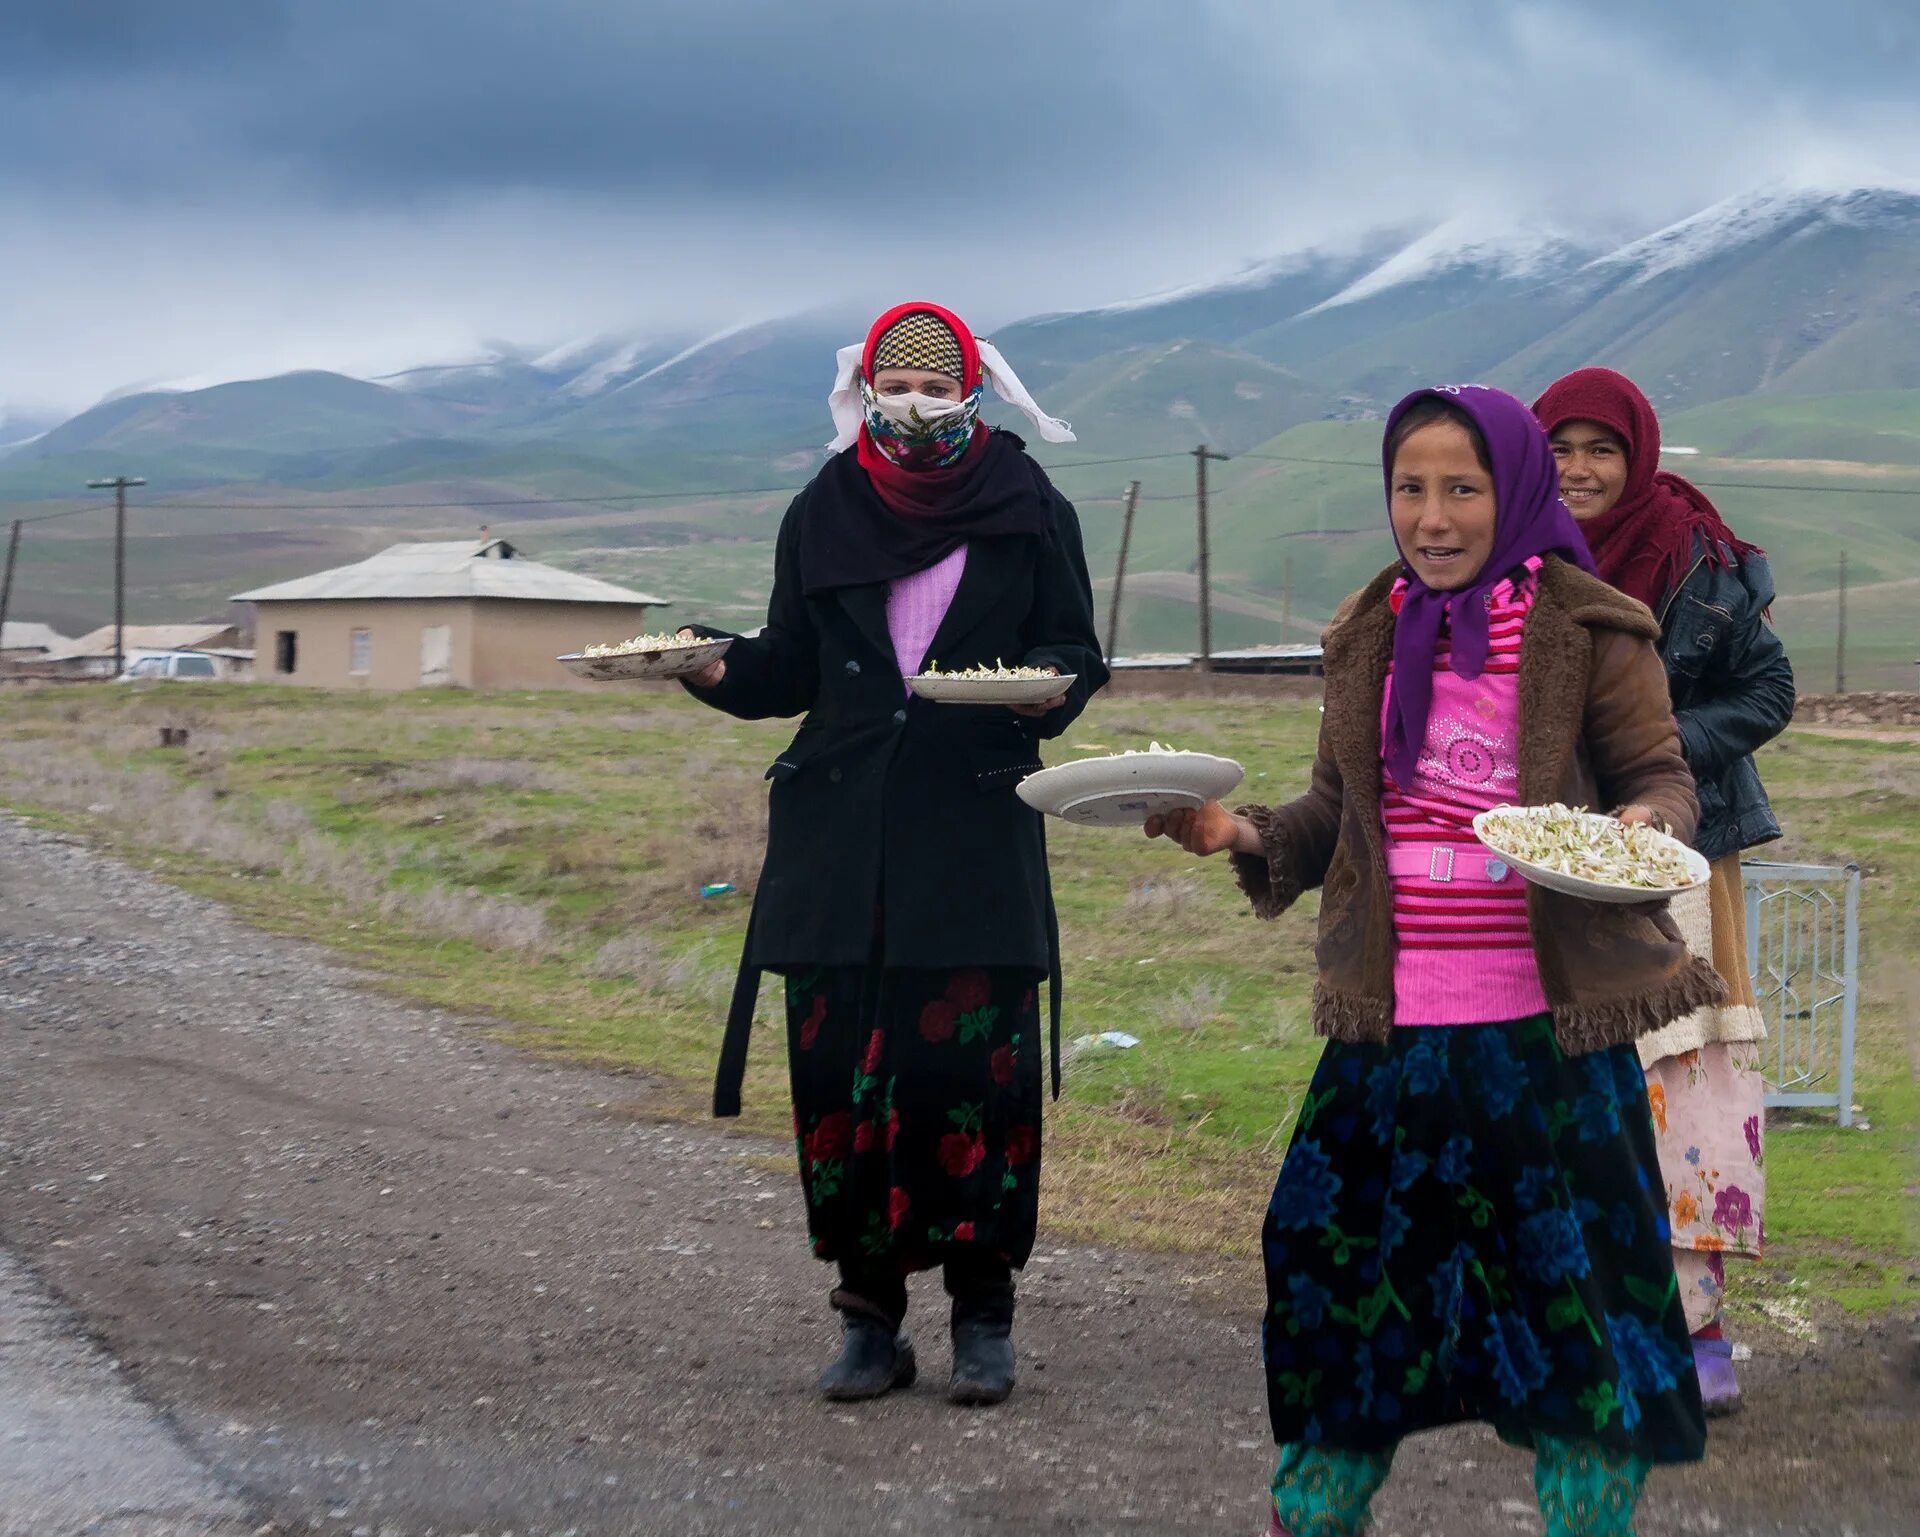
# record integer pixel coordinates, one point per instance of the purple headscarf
(1530, 520)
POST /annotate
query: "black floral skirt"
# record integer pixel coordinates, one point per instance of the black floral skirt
(916, 1105)
(1470, 1225)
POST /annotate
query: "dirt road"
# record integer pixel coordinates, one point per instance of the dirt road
(373, 1274)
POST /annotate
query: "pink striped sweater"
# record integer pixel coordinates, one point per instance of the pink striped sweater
(1464, 952)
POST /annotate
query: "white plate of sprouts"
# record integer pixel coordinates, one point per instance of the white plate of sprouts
(646, 656)
(1124, 789)
(1583, 854)
(998, 684)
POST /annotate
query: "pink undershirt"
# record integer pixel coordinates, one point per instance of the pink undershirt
(915, 606)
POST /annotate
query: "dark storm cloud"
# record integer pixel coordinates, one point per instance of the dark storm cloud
(206, 187)
(363, 100)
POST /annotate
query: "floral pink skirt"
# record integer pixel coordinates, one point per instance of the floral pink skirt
(1707, 1120)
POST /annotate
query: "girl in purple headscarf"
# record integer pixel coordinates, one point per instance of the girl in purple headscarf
(1468, 1224)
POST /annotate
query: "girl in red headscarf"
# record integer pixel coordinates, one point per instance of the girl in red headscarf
(904, 897)
(1658, 538)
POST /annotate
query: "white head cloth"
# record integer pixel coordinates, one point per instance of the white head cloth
(849, 411)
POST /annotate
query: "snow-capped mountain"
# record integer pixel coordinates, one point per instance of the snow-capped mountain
(1779, 291)
(1466, 249)
(1770, 214)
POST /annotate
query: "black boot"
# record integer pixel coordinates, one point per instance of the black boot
(982, 1334)
(875, 1355)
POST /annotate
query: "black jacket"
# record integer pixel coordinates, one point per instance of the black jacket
(889, 804)
(1732, 692)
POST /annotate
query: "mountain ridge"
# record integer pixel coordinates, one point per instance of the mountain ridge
(1777, 291)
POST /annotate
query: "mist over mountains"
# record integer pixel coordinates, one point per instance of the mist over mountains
(1777, 293)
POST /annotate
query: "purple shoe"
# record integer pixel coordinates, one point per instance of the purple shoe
(1719, 1392)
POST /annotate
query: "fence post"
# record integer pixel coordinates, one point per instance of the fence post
(1849, 1003)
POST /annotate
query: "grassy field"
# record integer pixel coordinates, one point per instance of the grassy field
(1296, 525)
(537, 859)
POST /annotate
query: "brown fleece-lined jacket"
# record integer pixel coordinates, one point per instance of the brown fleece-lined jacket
(1596, 729)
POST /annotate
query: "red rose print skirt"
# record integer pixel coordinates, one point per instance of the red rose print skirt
(916, 1101)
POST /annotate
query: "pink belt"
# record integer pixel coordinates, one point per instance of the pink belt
(1447, 865)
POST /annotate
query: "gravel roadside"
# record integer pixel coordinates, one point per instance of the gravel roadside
(387, 1277)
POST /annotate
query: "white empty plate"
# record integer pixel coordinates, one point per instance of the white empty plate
(1124, 789)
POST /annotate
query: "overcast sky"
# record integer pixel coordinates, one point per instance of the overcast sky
(211, 189)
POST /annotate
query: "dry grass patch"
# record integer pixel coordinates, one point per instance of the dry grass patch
(490, 922)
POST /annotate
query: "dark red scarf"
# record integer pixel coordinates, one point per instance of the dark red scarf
(1645, 542)
(923, 493)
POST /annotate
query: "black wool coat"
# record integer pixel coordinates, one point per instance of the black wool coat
(891, 807)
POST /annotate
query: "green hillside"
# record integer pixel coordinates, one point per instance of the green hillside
(1169, 397)
(1873, 427)
(1275, 517)
(291, 413)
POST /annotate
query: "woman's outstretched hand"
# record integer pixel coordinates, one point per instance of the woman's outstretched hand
(1203, 830)
(1638, 816)
(1044, 707)
(708, 676)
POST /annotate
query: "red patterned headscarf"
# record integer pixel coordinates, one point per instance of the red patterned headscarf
(1644, 542)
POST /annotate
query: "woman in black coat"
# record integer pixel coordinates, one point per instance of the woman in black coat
(904, 897)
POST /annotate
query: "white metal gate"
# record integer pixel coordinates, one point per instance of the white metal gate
(1803, 950)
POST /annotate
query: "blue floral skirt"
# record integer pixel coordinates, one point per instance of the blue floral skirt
(1470, 1225)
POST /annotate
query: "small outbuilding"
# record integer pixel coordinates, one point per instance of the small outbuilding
(22, 641)
(92, 655)
(457, 613)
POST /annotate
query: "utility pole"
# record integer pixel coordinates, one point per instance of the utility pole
(118, 485)
(1200, 457)
(1840, 641)
(6, 582)
(1120, 570)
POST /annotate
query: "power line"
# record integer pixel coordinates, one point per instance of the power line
(511, 501)
(603, 499)
(1362, 464)
(608, 499)
(1715, 485)
(48, 517)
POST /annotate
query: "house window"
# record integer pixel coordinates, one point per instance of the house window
(285, 651)
(361, 658)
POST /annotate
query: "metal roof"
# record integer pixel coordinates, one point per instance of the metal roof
(138, 637)
(23, 635)
(455, 568)
(1270, 654)
(1173, 660)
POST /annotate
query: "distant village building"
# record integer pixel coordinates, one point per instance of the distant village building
(459, 613)
(22, 642)
(91, 656)
(1297, 661)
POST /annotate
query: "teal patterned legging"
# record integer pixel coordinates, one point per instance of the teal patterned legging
(1584, 1491)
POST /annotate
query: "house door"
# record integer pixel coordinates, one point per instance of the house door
(436, 656)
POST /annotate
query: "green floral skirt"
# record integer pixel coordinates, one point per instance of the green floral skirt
(916, 1108)
(1470, 1225)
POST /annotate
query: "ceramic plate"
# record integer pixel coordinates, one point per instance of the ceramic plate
(1124, 789)
(950, 688)
(1598, 891)
(672, 662)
